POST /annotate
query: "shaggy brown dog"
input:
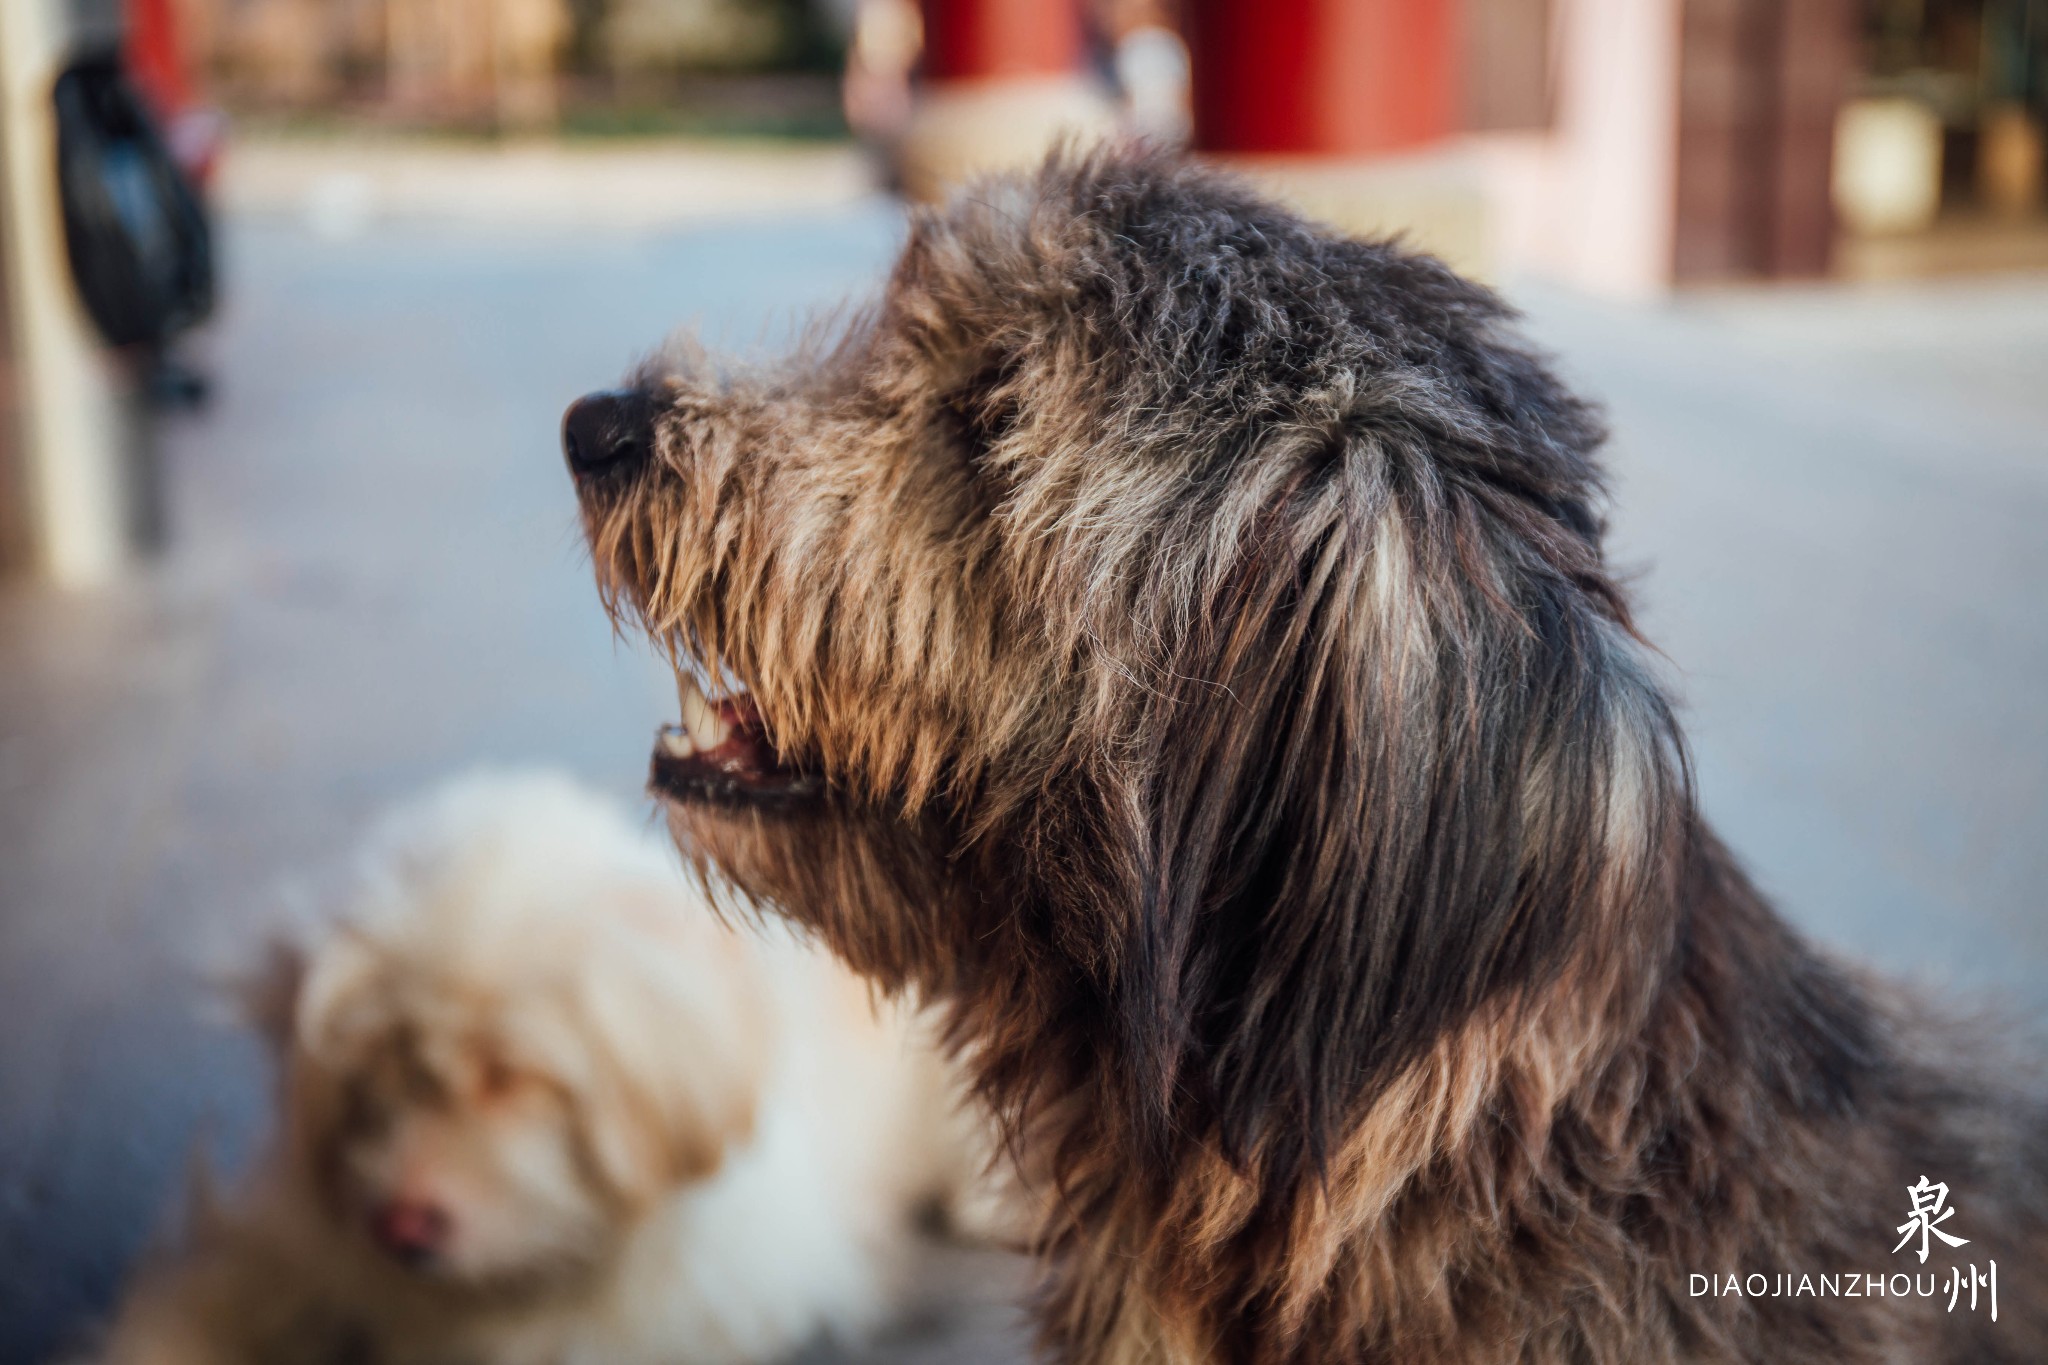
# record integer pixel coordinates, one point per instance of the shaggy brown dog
(1180, 638)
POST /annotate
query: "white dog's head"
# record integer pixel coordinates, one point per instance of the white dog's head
(526, 1029)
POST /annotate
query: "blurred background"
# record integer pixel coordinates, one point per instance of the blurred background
(294, 292)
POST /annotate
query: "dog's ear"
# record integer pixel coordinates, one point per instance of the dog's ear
(1395, 773)
(663, 1111)
(265, 995)
(680, 1043)
(328, 990)
(313, 1005)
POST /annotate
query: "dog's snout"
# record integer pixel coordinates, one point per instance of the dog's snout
(413, 1231)
(610, 430)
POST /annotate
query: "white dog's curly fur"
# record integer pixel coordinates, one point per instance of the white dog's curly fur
(539, 1105)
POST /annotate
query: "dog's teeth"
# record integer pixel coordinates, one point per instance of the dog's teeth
(705, 723)
(676, 743)
(711, 729)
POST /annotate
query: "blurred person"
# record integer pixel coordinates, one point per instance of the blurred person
(1149, 63)
(887, 39)
(157, 57)
(998, 83)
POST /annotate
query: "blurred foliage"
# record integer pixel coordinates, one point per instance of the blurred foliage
(1989, 50)
(589, 67)
(624, 38)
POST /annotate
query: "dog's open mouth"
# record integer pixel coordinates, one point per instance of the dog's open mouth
(721, 753)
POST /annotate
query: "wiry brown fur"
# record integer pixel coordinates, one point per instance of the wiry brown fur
(1201, 623)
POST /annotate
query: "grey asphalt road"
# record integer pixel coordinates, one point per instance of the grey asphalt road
(1838, 504)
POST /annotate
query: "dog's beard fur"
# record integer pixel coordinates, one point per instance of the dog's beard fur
(1200, 627)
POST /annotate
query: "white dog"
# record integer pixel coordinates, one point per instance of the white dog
(540, 1106)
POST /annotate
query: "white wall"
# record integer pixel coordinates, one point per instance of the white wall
(75, 398)
(1591, 201)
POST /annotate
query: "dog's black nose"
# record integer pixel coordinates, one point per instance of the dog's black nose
(609, 430)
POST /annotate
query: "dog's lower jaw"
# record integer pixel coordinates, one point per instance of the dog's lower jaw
(693, 779)
(720, 752)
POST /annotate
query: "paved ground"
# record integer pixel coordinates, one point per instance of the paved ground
(341, 184)
(1840, 504)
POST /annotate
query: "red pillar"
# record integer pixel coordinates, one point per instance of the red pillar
(967, 40)
(1322, 77)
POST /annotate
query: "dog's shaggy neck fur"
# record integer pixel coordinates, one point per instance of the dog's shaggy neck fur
(1202, 623)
